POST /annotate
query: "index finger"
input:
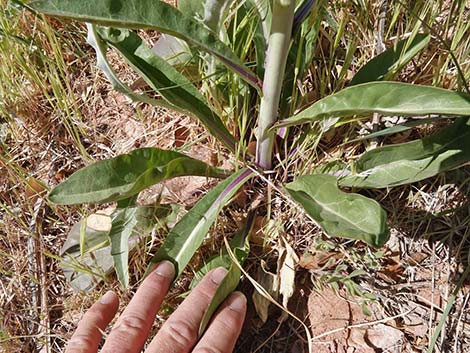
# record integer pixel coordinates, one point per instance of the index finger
(133, 326)
(87, 337)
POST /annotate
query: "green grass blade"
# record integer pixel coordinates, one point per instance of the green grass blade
(126, 175)
(84, 254)
(147, 14)
(338, 213)
(445, 314)
(167, 81)
(391, 61)
(413, 161)
(387, 98)
(187, 235)
(263, 7)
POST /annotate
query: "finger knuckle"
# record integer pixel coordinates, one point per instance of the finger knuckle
(229, 322)
(182, 333)
(206, 350)
(79, 343)
(157, 281)
(206, 292)
(131, 325)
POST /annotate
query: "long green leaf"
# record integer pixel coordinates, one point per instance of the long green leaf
(412, 161)
(126, 175)
(187, 235)
(391, 61)
(102, 62)
(220, 260)
(126, 223)
(147, 14)
(227, 286)
(241, 247)
(338, 213)
(223, 259)
(387, 98)
(167, 81)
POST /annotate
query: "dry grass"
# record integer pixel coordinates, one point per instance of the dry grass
(58, 112)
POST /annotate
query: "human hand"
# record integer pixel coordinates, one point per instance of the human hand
(179, 334)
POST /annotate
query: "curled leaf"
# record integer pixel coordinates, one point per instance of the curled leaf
(147, 14)
(339, 213)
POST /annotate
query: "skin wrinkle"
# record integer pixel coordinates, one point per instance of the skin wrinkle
(79, 342)
(183, 326)
(206, 350)
(182, 332)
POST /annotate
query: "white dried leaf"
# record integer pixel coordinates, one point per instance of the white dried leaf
(286, 267)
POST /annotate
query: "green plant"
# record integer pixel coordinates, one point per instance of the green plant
(239, 71)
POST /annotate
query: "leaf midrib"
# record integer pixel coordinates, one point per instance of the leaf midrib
(302, 193)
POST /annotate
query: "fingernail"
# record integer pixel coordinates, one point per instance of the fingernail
(107, 298)
(165, 269)
(237, 302)
(218, 275)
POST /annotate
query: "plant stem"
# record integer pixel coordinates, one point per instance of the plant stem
(278, 49)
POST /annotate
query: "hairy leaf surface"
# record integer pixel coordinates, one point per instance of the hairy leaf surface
(338, 213)
(187, 235)
(387, 98)
(126, 175)
(147, 14)
(413, 161)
